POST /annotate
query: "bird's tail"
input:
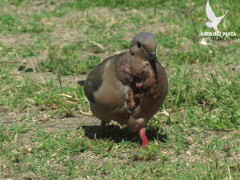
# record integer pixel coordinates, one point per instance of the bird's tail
(209, 24)
(81, 82)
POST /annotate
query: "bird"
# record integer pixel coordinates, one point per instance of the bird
(129, 87)
(214, 21)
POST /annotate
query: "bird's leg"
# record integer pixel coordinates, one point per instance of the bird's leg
(144, 138)
(102, 129)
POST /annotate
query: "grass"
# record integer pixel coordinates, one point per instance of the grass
(65, 61)
(69, 154)
(46, 129)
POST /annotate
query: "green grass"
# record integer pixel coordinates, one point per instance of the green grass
(66, 61)
(66, 153)
(19, 95)
(46, 130)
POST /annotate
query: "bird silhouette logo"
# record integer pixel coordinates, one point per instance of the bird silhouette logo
(214, 21)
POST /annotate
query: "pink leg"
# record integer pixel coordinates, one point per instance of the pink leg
(144, 138)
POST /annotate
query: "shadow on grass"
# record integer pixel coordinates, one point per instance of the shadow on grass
(117, 134)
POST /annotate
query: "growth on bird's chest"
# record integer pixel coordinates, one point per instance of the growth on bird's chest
(140, 85)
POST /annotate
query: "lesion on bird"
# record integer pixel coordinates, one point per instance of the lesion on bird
(139, 86)
(133, 99)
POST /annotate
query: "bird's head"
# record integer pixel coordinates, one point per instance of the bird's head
(144, 45)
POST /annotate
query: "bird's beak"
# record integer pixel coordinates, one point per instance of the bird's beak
(153, 56)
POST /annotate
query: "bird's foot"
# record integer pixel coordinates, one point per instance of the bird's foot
(144, 138)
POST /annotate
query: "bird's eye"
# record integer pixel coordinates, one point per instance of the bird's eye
(139, 45)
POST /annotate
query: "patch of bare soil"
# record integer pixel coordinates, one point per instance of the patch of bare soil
(44, 77)
(39, 116)
(69, 123)
(16, 39)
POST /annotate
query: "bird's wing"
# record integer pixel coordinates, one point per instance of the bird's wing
(210, 14)
(209, 24)
(94, 80)
(102, 82)
(221, 17)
